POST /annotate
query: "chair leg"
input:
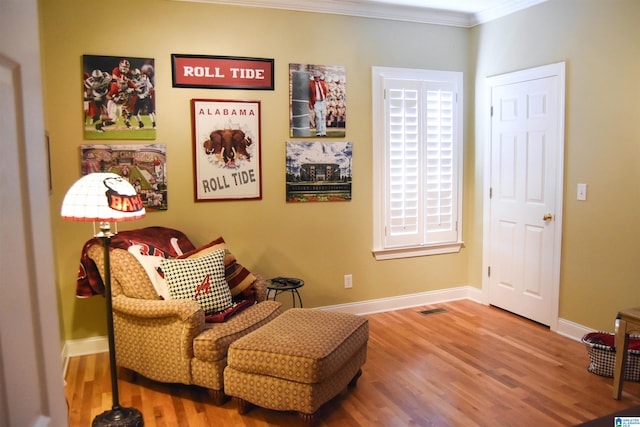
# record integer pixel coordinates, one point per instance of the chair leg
(243, 405)
(127, 374)
(622, 344)
(218, 397)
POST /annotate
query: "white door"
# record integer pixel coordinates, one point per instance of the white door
(526, 173)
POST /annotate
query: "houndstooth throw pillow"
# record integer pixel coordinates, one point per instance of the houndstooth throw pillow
(200, 279)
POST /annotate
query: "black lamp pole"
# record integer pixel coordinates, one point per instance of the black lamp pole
(117, 416)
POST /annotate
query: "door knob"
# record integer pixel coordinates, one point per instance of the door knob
(547, 217)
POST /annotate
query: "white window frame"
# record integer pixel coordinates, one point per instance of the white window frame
(420, 241)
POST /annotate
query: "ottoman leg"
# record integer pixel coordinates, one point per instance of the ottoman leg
(354, 380)
(243, 405)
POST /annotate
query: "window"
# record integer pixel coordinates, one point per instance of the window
(417, 137)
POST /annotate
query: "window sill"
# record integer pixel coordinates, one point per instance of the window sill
(416, 251)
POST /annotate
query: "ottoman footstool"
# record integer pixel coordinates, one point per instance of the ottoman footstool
(297, 362)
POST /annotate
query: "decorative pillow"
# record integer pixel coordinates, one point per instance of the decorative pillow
(151, 265)
(238, 277)
(150, 250)
(200, 279)
(212, 246)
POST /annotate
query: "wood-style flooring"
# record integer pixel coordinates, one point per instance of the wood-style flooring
(464, 365)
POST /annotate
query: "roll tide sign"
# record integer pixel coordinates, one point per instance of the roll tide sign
(222, 72)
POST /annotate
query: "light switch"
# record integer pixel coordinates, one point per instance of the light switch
(582, 191)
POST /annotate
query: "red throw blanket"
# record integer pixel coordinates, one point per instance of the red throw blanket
(157, 241)
(160, 241)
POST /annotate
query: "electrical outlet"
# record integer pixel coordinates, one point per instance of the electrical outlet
(348, 281)
(582, 191)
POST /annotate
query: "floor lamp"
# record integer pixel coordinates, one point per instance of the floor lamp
(106, 198)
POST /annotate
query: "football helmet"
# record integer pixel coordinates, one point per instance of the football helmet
(124, 66)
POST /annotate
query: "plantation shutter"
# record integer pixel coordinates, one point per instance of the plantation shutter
(440, 172)
(404, 210)
(420, 181)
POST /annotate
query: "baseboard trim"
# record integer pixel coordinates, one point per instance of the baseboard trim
(407, 301)
(572, 330)
(86, 346)
(566, 328)
(82, 347)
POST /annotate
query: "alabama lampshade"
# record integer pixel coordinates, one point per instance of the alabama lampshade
(104, 197)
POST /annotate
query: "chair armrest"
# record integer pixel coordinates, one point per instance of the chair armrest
(260, 286)
(155, 337)
(183, 309)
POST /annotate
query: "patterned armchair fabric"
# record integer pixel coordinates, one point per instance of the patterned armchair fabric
(169, 340)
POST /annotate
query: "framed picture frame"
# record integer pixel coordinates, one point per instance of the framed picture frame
(143, 165)
(317, 101)
(226, 150)
(119, 97)
(319, 171)
(222, 72)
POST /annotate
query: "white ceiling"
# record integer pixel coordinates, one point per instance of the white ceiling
(460, 13)
(467, 6)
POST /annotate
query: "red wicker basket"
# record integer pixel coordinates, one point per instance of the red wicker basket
(602, 355)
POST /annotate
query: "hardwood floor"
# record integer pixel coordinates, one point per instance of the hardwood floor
(468, 365)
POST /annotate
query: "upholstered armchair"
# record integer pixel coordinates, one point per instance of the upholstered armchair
(168, 340)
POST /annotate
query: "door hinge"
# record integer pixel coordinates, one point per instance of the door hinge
(490, 192)
(489, 271)
(491, 114)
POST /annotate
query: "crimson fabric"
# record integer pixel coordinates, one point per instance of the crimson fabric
(154, 240)
(236, 308)
(609, 340)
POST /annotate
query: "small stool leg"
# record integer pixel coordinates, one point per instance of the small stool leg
(622, 344)
(308, 420)
(354, 380)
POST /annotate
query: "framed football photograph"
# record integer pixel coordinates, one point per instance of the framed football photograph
(143, 165)
(119, 97)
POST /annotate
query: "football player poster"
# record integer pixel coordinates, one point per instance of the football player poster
(119, 97)
(226, 150)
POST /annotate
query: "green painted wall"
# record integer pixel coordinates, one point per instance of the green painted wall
(599, 41)
(321, 242)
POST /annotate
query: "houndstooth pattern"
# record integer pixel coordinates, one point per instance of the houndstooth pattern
(200, 279)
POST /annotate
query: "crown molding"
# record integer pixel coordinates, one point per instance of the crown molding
(506, 8)
(368, 9)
